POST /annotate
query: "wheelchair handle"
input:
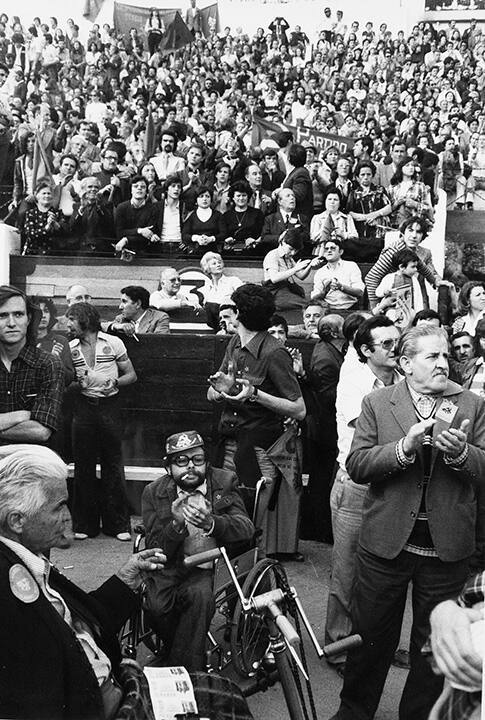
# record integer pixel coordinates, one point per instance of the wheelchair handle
(287, 629)
(271, 601)
(348, 643)
(202, 557)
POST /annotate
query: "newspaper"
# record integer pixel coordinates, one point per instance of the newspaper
(171, 692)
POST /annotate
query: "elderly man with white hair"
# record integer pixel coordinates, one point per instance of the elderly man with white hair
(59, 654)
(91, 225)
(170, 296)
(285, 217)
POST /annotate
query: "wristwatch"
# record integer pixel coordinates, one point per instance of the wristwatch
(254, 395)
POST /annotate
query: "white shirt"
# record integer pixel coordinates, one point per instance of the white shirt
(39, 568)
(387, 284)
(166, 164)
(351, 390)
(346, 272)
(109, 350)
(221, 292)
(171, 231)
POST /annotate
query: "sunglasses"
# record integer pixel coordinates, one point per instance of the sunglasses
(386, 344)
(183, 460)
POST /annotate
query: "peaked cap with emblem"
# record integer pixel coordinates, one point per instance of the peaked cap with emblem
(178, 442)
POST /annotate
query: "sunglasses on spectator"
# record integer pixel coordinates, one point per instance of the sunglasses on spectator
(183, 460)
(386, 344)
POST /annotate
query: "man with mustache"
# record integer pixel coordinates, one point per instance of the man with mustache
(192, 508)
(419, 444)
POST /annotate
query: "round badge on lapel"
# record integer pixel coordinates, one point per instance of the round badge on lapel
(22, 584)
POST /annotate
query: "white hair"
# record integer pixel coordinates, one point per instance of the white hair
(24, 472)
(205, 260)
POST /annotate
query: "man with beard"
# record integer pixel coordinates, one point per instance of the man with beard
(192, 508)
(166, 163)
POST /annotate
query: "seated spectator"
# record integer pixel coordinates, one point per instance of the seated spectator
(368, 205)
(42, 223)
(409, 196)
(471, 307)
(49, 340)
(170, 297)
(405, 286)
(201, 231)
(413, 231)
(227, 317)
(280, 273)
(192, 508)
(450, 171)
(462, 347)
(193, 176)
(338, 283)
(298, 180)
(284, 218)
(241, 225)
(218, 287)
(137, 317)
(171, 214)
(90, 679)
(137, 221)
(331, 223)
(312, 313)
(221, 187)
(91, 225)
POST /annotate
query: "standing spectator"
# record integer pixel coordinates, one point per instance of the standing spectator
(91, 225)
(273, 177)
(386, 169)
(137, 221)
(31, 380)
(193, 176)
(419, 517)
(374, 344)
(102, 367)
(409, 196)
(171, 215)
(114, 186)
(284, 218)
(298, 179)
(368, 205)
(259, 368)
(166, 163)
(193, 18)
(154, 28)
(42, 223)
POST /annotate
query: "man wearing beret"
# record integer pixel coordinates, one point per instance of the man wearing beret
(191, 509)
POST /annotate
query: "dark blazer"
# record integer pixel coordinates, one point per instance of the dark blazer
(394, 496)
(232, 524)
(44, 673)
(274, 225)
(300, 182)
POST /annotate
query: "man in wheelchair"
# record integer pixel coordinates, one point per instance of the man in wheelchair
(191, 509)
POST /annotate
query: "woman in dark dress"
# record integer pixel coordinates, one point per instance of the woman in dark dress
(201, 230)
(242, 225)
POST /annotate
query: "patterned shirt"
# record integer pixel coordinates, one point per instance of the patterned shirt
(109, 351)
(35, 383)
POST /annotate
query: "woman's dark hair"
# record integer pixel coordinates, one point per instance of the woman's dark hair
(278, 320)
(172, 180)
(297, 155)
(202, 190)
(292, 237)
(33, 311)
(241, 186)
(24, 140)
(398, 175)
(255, 306)
(352, 323)
(365, 164)
(332, 190)
(363, 336)
(464, 296)
(42, 184)
(50, 305)
(87, 316)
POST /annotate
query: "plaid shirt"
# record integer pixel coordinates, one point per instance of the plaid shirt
(461, 705)
(35, 383)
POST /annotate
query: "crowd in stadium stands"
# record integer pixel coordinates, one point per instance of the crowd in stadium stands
(115, 148)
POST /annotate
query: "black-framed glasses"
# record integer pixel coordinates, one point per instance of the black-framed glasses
(183, 460)
(386, 344)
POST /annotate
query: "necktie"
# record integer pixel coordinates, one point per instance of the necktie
(257, 199)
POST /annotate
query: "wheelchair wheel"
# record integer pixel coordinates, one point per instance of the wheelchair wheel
(249, 633)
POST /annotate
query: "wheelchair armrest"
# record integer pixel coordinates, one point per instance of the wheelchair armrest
(202, 557)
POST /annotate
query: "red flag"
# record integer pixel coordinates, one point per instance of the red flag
(177, 36)
(149, 139)
(41, 166)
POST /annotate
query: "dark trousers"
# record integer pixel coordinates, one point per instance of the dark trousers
(377, 612)
(181, 606)
(96, 437)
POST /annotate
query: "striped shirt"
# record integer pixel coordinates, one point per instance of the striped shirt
(109, 351)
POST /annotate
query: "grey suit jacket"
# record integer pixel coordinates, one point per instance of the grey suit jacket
(154, 321)
(394, 496)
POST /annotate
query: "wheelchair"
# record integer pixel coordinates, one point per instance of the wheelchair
(229, 574)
